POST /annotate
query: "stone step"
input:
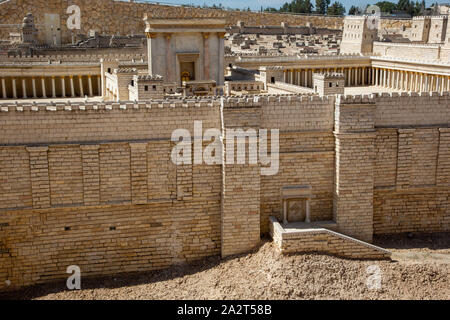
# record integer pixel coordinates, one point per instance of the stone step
(318, 239)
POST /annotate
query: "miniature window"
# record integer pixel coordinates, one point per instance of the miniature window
(146, 88)
(337, 84)
(154, 87)
(330, 85)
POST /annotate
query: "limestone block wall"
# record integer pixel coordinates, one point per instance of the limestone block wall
(108, 202)
(92, 184)
(411, 166)
(415, 51)
(306, 153)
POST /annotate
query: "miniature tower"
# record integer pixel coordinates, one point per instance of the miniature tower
(29, 32)
(329, 83)
(359, 34)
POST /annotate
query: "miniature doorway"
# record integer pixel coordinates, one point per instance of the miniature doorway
(187, 71)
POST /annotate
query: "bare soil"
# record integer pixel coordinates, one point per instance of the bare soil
(419, 270)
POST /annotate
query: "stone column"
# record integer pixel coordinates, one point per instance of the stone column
(442, 84)
(72, 87)
(404, 157)
(91, 174)
(99, 86)
(139, 173)
(350, 80)
(376, 76)
(206, 55)
(221, 40)
(308, 213)
(285, 76)
(4, 88)
(53, 87)
(40, 182)
(168, 36)
(63, 87)
(90, 86)
(305, 83)
(384, 77)
(14, 87)
(364, 76)
(402, 80)
(355, 154)
(408, 85)
(80, 79)
(33, 84)
(24, 89)
(44, 90)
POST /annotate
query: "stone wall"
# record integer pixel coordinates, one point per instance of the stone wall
(113, 17)
(92, 184)
(414, 51)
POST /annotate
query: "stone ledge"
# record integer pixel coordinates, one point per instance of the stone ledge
(311, 238)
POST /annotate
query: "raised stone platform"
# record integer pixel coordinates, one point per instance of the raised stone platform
(301, 237)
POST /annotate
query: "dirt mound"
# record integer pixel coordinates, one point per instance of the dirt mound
(265, 274)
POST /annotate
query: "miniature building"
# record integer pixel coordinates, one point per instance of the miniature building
(29, 32)
(329, 83)
(420, 29)
(146, 87)
(359, 34)
(184, 50)
(438, 29)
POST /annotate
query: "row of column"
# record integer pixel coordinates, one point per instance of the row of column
(410, 80)
(354, 76)
(13, 88)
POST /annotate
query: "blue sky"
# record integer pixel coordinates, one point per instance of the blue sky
(256, 4)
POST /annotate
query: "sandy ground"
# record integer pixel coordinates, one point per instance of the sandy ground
(419, 270)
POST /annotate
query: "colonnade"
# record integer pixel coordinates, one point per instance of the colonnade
(354, 76)
(374, 76)
(410, 80)
(70, 86)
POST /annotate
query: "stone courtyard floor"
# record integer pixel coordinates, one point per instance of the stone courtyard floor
(419, 270)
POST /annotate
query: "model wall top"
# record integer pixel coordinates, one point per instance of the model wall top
(120, 17)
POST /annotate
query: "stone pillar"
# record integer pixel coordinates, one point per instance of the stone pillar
(376, 76)
(404, 157)
(221, 40)
(4, 88)
(90, 86)
(240, 224)
(364, 76)
(33, 84)
(99, 86)
(355, 155)
(80, 79)
(285, 79)
(14, 87)
(408, 84)
(402, 80)
(442, 84)
(44, 90)
(139, 173)
(63, 87)
(350, 78)
(168, 36)
(384, 77)
(53, 87)
(305, 83)
(24, 89)
(206, 55)
(443, 161)
(91, 174)
(40, 182)
(72, 87)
